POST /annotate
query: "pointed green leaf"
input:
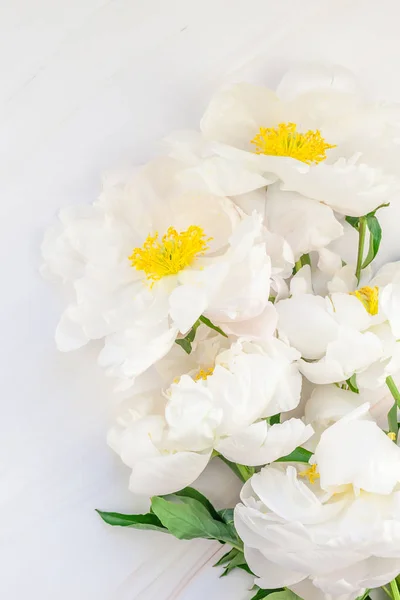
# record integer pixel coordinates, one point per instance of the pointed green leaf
(211, 325)
(147, 521)
(264, 593)
(352, 383)
(375, 237)
(298, 455)
(274, 419)
(237, 562)
(189, 492)
(192, 520)
(226, 557)
(185, 344)
(353, 221)
(226, 514)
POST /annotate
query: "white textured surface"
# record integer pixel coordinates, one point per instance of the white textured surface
(87, 85)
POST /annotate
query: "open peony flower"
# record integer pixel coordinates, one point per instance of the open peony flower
(331, 530)
(167, 438)
(148, 259)
(315, 136)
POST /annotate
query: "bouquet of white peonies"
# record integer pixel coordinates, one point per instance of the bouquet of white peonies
(250, 314)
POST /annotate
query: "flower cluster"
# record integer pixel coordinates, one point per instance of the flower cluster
(247, 315)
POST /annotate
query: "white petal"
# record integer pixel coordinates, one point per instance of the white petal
(187, 303)
(351, 352)
(306, 323)
(236, 113)
(358, 452)
(313, 77)
(271, 575)
(305, 223)
(259, 444)
(348, 188)
(167, 473)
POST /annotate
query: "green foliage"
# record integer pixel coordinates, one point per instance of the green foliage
(298, 455)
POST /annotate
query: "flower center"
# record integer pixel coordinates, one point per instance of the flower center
(311, 473)
(203, 373)
(369, 297)
(284, 140)
(170, 255)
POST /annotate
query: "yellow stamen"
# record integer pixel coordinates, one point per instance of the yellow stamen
(311, 473)
(172, 254)
(284, 140)
(392, 436)
(203, 373)
(369, 297)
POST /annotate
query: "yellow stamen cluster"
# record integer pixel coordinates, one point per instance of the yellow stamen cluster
(203, 373)
(284, 140)
(311, 473)
(170, 255)
(369, 297)
(392, 436)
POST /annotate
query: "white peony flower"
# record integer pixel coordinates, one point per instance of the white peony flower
(320, 140)
(332, 334)
(332, 530)
(168, 438)
(327, 404)
(147, 259)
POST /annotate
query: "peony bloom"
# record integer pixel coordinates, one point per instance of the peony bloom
(333, 334)
(167, 438)
(332, 530)
(321, 150)
(148, 259)
(327, 404)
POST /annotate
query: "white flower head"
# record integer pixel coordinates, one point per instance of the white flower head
(224, 405)
(332, 529)
(148, 259)
(316, 148)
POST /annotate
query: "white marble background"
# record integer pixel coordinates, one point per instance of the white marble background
(87, 85)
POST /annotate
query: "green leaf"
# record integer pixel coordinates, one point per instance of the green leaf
(274, 419)
(352, 383)
(237, 562)
(264, 593)
(226, 557)
(244, 473)
(211, 325)
(189, 492)
(147, 521)
(192, 520)
(375, 237)
(226, 514)
(186, 342)
(364, 596)
(281, 595)
(298, 455)
(353, 221)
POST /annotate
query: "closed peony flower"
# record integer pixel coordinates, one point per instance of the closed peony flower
(167, 438)
(329, 530)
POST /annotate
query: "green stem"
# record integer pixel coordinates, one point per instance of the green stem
(385, 589)
(244, 473)
(393, 389)
(395, 590)
(297, 265)
(362, 228)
